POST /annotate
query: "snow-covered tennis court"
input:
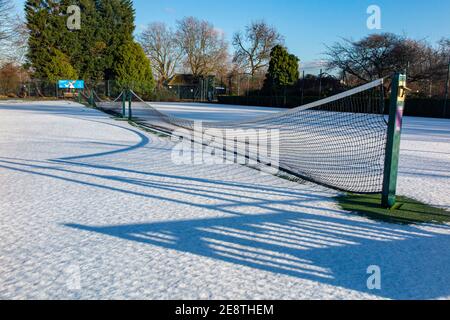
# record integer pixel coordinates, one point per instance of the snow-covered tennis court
(92, 208)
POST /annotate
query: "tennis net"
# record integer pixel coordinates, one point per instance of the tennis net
(338, 142)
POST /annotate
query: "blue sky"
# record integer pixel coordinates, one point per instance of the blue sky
(306, 24)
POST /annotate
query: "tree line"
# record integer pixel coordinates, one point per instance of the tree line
(102, 49)
(198, 48)
(107, 47)
(380, 55)
(195, 44)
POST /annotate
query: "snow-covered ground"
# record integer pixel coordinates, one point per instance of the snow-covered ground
(212, 112)
(94, 208)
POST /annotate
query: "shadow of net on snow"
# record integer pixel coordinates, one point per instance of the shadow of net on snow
(325, 249)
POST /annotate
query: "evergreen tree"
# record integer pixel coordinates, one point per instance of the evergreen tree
(116, 29)
(41, 23)
(132, 69)
(283, 69)
(94, 53)
(68, 41)
(92, 47)
(50, 40)
(59, 67)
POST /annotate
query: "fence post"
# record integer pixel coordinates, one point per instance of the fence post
(320, 84)
(91, 98)
(303, 88)
(124, 102)
(397, 105)
(446, 89)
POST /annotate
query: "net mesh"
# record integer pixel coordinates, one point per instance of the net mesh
(84, 97)
(338, 142)
(115, 106)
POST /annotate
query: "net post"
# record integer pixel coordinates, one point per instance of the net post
(396, 108)
(124, 102)
(93, 99)
(130, 115)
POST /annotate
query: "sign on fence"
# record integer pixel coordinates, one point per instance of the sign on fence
(71, 84)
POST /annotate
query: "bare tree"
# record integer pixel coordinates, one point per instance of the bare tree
(204, 47)
(439, 63)
(6, 26)
(443, 52)
(444, 47)
(254, 46)
(13, 35)
(6, 9)
(380, 55)
(160, 45)
(13, 43)
(18, 42)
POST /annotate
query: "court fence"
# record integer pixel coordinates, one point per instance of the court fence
(414, 107)
(435, 107)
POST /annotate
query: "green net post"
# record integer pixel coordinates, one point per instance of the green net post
(94, 105)
(79, 97)
(124, 102)
(396, 108)
(130, 114)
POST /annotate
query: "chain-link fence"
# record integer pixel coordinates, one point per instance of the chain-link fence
(238, 89)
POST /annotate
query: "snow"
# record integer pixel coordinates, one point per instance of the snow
(425, 161)
(93, 208)
(212, 112)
